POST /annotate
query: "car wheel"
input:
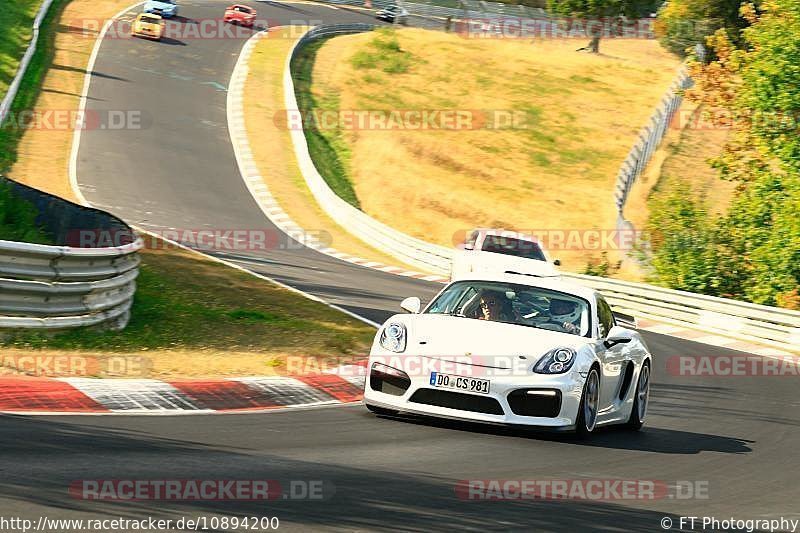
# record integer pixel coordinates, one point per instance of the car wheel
(641, 399)
(590, 403)
(380, 410)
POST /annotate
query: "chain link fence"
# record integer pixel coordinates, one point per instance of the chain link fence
(649, 139)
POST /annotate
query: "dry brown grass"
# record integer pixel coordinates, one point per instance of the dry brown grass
(556, 175)
(272, 146)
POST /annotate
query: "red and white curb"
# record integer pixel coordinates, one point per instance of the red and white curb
(345, 384)
(257, 185)
(31, 395)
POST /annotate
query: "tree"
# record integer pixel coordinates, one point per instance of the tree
(682, 24)
(754, 251)
(597, 15)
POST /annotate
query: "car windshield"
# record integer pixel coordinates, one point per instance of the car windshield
(511, 246)
(171, 2)
(150, 20)
(513, 303)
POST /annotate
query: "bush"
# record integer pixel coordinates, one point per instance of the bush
(681, 24)
(682, 240)
(385, 54)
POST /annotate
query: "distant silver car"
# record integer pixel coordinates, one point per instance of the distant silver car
(394, 14)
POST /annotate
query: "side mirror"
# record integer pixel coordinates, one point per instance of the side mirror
(557, 262)
(411, 305)
(617, 335)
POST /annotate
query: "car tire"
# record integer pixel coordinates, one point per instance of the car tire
(589, 406)
(641, 399)
(380, 410)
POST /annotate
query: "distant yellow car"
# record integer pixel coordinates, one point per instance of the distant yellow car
(148, 25)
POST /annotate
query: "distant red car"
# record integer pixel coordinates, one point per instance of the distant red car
(239, 14)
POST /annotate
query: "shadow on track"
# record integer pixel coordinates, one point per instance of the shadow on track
(43, 456)
(649, 439)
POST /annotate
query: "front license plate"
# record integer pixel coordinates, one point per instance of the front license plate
(462, 383)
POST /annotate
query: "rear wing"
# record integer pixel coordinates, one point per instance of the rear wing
(625, 320)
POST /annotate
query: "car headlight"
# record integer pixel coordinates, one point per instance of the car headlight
(393, 337)
(556, 361)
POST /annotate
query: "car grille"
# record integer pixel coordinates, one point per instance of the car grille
(546, 405)
(457, 400)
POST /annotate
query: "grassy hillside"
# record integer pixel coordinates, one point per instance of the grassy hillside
(582, 114)
(16, 20)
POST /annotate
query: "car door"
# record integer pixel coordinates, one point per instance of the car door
(614, 359)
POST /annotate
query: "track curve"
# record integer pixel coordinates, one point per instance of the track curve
(180, 171)
(736, 434)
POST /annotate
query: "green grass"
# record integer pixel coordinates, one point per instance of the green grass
(16, 19)
(16, 22)
(17, 217)
(327, 148)
(384, 53)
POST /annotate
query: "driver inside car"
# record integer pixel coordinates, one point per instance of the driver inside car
(494, 306)
(566, 314)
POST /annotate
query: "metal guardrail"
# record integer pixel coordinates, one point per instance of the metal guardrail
(758, 323)
(437, 11)
(64, 285)
(763, 324)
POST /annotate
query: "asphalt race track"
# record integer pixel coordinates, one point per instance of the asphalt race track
(737, 435)
(179, 171)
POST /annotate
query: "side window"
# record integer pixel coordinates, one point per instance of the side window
(471, 240)
(605, 316)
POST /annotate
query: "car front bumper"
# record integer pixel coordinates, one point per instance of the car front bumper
(512, 400)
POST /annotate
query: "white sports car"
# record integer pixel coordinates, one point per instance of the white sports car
(497, 250)
(511, 349)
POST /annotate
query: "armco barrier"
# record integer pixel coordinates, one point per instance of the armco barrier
(763, 324)
(772, 326)
(64, 285)
(414, 252)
